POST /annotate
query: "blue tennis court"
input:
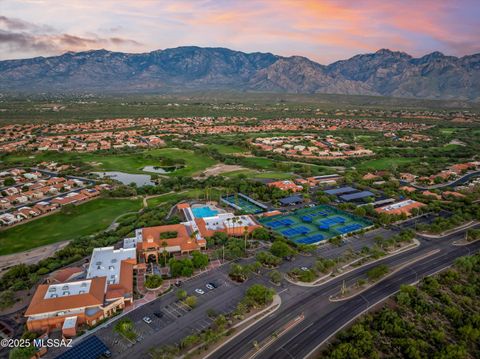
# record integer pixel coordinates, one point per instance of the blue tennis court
(295, 231)
(316, 224)
(244, 203)
(349, 228)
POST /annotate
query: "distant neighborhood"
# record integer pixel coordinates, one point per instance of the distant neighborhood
(101, 135)
(29, 193)
(310, 146)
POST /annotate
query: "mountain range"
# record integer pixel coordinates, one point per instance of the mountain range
(190, 68)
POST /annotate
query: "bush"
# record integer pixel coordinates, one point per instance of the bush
(258, 294)
(168, 235)
(7, 299)
(275, 276)
(181, 294)
(125, 327)
(191, 301)
(153, 281)
(268, 259)
(377, 272)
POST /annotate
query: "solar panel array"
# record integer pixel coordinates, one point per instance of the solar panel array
(357, 195)
(90, 348)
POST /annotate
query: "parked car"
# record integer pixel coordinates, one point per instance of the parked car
(304, 269)
(213, 285)
(147, 320)
(209, 286)
(178, 283)
(199, 291)
(158, 314)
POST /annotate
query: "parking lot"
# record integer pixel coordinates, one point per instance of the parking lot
(169, 319)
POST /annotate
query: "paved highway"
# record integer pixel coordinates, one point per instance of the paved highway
(324, 318)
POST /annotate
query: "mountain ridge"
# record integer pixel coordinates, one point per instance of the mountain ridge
(382, 73)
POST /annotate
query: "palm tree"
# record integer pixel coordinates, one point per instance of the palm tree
(164, 253)
(234, 221)
(193, 235)
(245, 233)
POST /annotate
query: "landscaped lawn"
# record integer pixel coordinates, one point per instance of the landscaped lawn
(385, 163)
(197, 193)
(258, 162)
(195, 163)
(225, 149)
(251, 174)
(129, 162)
(88, 218)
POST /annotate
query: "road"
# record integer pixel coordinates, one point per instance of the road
(461, 180)
(324, 318)
(176, 321)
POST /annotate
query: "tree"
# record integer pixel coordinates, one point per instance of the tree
(181, 294)
(22, 352)
(377, 272)
(360, 211)
(261, 234)
(238, 273)
(8, 181)
(281, 249)
(164, 252)
(199, 260)
(191, 301)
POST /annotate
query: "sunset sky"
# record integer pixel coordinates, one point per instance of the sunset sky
(324, 31)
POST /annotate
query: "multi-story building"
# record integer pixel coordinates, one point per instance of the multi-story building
(107, 288)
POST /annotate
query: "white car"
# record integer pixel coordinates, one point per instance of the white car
(209, 286)
(147, 320)
(199, 291)
(304, 269)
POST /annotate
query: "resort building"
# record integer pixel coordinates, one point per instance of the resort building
(286, 186)
(180, 238)
(65, 306)
(400, 207)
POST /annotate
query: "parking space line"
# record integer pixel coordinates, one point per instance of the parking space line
(169, 313)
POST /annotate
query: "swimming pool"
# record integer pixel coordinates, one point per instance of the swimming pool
(205, 211)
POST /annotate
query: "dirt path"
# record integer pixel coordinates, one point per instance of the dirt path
(31, 256)
(221, 168)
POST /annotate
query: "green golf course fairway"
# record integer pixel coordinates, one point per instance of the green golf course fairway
(88, 218)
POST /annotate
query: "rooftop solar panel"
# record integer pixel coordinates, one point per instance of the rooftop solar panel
(358, 195)
(341, 190)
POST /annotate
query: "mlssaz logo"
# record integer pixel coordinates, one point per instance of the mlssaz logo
(52, 343)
